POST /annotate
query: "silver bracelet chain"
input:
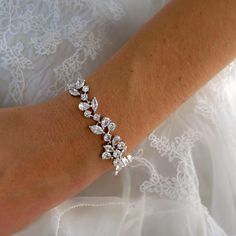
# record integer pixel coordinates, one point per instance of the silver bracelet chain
(114, 147)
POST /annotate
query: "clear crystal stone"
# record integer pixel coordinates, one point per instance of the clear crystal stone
(108, 148)
(84, 96)
(94, 104)
(111, 126)
(74, 92)
(121, 145)
(116, 154)
(84, 106)
(130, 158)
(96, 117)
(85, 88)
(118, 165)
(87, 113)
(79, 83)
(107, 137)
(96, 129)
(105, 122)
(106, 155)
(117, 162)
(115, 140)
(125, 161)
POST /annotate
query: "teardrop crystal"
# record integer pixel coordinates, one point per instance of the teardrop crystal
(105, 122)
(79, 83)
(96, 129)
(116, 154)
(115, 140)
(112, 126)
(121, 145)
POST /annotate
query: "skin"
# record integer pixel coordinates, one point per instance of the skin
(45, 149)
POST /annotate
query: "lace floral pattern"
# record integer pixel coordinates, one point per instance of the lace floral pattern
(46, 30)
(213, 97)
(185, 184)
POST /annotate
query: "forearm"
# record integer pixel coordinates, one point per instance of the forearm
(172, 56)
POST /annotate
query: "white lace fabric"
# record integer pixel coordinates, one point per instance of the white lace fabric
(183, 181)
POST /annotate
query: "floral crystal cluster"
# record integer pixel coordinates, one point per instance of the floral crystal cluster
(114, 147)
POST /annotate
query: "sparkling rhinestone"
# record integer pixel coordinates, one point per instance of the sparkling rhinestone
(130, 158)
(74, 92)
(94, 104)
(107, 137)
(85, 88)
(96, 117)
(116, 162)
(116, 154)
(84, 96)
(106, 155)
(121, 145)
(112, 126)
(79, 83)
(84, 106)
(125, 161)
(118, 168)
(96, 129)
(115, 140)
(105, 122)
(87, 114)
(108, 148)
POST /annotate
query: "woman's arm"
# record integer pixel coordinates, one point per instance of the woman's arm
(48, 154)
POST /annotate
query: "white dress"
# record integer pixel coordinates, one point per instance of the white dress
(183, 181)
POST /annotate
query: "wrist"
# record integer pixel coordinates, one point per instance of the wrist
(83, 148)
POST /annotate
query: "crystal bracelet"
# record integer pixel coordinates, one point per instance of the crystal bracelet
(114, 147)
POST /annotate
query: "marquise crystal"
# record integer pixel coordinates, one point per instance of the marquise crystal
(94, 104)
(74, 92)
(84, 106)
(96, 129)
